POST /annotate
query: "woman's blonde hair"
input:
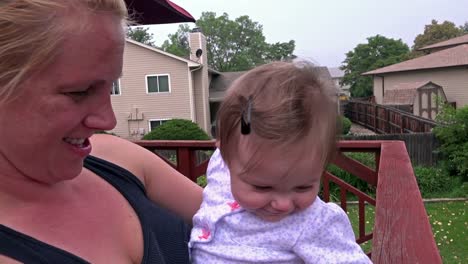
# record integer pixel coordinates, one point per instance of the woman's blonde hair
(31, 32)
(283, 103)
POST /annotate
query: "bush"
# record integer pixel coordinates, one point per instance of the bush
(177, 129)
(436, 182)
(452, 134)
(345, 125)
(433, 182)
(201, 181)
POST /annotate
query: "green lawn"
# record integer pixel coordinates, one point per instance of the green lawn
(449, 225)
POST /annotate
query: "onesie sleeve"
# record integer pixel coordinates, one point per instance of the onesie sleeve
(329, 238)
(217, 171)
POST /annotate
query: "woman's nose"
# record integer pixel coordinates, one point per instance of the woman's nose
(102, 116)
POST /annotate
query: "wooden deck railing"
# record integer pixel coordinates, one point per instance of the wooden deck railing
(401, 233)
(386, 120)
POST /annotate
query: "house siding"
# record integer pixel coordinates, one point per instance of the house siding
(378, 84)
(454, 81)
(139, 62)
(201, 82)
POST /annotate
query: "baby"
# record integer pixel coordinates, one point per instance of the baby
(276, 133)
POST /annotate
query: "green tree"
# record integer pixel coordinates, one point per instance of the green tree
(436, 32)
(141, 35)
(280, 51)
(464, 28)
(233, 45)
(452, 133)
(378, 52)
(178, 43)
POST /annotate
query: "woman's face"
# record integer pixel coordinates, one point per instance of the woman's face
(44, 132)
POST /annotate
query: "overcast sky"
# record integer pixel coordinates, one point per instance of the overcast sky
(325, 30)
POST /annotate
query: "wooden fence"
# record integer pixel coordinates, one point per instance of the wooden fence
(421, 147)
(386, 120)
(401, 233)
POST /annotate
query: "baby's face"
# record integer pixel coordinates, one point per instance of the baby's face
(282, 182)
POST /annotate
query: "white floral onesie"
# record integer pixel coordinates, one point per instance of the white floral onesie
(223, 232)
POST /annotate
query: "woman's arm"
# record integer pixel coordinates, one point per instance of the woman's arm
(164, 185)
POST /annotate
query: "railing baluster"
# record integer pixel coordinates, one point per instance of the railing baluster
(343, 198)
(326, 188)
(362, 218)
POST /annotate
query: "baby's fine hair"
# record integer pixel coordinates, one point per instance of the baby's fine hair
(290, 102)
(31, 32)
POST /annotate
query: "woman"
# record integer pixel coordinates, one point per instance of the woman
(67, 196)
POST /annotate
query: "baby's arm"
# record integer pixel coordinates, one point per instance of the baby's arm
(331, 241)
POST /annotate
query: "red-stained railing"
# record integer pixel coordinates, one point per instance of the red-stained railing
(401, 233)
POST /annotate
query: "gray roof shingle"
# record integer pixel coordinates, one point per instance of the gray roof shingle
(451, 57)
(447, 43)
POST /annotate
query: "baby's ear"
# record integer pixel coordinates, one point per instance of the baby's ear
(217, 143)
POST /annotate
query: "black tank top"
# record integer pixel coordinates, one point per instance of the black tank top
(165, 235)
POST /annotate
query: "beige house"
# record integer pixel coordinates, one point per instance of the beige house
(337, 76)
(444, 68)
(157, 86)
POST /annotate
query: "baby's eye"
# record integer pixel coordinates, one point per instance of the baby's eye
(304, 188)
(262, 188)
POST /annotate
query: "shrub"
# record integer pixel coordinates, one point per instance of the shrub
(435, 181)
(201, 181)
(177, 129)
(452, 134)
(345, 125)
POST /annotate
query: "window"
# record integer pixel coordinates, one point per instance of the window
(154, 123)
(157, 83)
(115, 89)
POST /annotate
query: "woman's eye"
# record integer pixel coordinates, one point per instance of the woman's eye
(78, 93)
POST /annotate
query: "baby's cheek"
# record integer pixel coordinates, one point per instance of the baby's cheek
(251, 201)
(305, 201)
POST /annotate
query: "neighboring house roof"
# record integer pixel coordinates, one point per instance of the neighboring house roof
(335, 72)
(189, 62)
(213, 71)
(220, 82)
(452, 57)
(447, 43)
(325, 76)
(405, 93)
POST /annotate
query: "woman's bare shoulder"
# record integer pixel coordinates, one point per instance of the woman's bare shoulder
(7, 260)
(120, 151)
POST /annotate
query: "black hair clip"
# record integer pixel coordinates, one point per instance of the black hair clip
(245, 125)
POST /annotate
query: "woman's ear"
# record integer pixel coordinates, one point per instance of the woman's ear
(217, 144)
